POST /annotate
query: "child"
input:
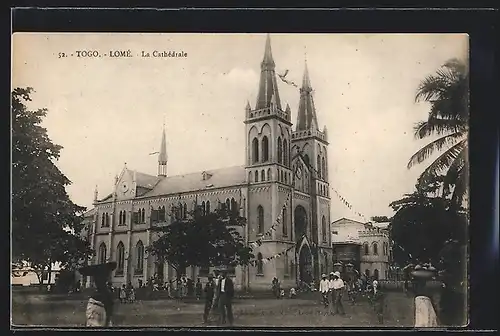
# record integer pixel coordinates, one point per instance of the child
(293, 293)
(123, 294)
(282, 294)
(132, 295)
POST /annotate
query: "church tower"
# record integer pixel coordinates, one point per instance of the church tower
(268, 134)
(309, 148)
(162, 156)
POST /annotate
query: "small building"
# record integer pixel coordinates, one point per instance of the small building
(364, 245)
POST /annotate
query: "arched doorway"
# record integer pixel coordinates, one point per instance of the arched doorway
(305, 265)
(300, 221)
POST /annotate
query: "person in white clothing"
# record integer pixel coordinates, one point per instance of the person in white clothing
(324, 289)
(338, 288)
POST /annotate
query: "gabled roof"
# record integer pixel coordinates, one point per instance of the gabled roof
(218, 178)
(348, 220)
(146, 180)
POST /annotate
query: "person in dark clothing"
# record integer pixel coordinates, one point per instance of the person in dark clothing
(225, 292)
(100, 305)
(209, 296)
(199, 288)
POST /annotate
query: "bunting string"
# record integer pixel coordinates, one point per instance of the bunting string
(273, 227)
(268, 259)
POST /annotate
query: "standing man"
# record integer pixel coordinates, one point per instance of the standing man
(338, 288)
(100, 305)
(225, 291)
(209, 296)
(323, 289)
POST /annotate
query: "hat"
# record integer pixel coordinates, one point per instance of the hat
(323, 275)
(331, 273)
(337, 274)
(99, 269)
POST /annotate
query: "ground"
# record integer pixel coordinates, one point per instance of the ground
(36, 309)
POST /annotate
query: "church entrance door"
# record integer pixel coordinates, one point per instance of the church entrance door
(305, 265)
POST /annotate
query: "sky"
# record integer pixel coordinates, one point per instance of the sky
(108, 112)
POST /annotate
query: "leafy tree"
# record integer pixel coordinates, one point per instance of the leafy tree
(447, 91)
(202, 240)
(42, 211)
(380, 219)
(424, 224)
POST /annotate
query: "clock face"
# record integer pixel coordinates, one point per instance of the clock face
(124, 187)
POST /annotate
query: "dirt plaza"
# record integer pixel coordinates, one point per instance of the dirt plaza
(40, 310)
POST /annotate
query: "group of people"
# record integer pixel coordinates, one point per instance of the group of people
(332, 289)
(127, 293)
(219, 293)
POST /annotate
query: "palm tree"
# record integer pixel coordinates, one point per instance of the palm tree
(447, 91)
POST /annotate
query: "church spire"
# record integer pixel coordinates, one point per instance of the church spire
(268, 87)
(306, 117)
(162, 156)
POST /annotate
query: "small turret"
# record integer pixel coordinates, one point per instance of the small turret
(96, 194)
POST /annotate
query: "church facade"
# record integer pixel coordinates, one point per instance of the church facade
(284, 178)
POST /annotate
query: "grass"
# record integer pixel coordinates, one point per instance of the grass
(37, 310)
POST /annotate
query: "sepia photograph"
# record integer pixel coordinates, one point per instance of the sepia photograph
(216, 180)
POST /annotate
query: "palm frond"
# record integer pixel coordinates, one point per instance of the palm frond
(443, 162)
(435, 145)
(461, 187)
(455, 170)
(438, 126)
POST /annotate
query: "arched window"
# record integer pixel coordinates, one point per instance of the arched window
(285, 179)
(323, 167)
(282, 176)
(285, 152)
(120, 218)
(263, 175)
(120, 258)
(208, 207)
(228, 205)
(265, 149)
(124, 217)
(375, 248)
(280, 151)
(284, 222)
(143, 216)
(260, 219)
(260, 264)
(185, 210)
(255, 150)
(385, 248)
(367, 273)
(139, 254)
(256, 176)
(269, 174)
(366, 249)
(234, 206)
(323, 229)
(203, 208)
(103, 220)
(249, 176)
(102, 253)
(319, 166)
(375, 274)
(162, 213)
(306, 159)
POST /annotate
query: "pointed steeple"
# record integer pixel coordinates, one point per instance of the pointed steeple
(306, 116)
(268, 54)
(162, 156)
(268, 87)
(248, 107)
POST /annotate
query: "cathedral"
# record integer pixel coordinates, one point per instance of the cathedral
(282, 185)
